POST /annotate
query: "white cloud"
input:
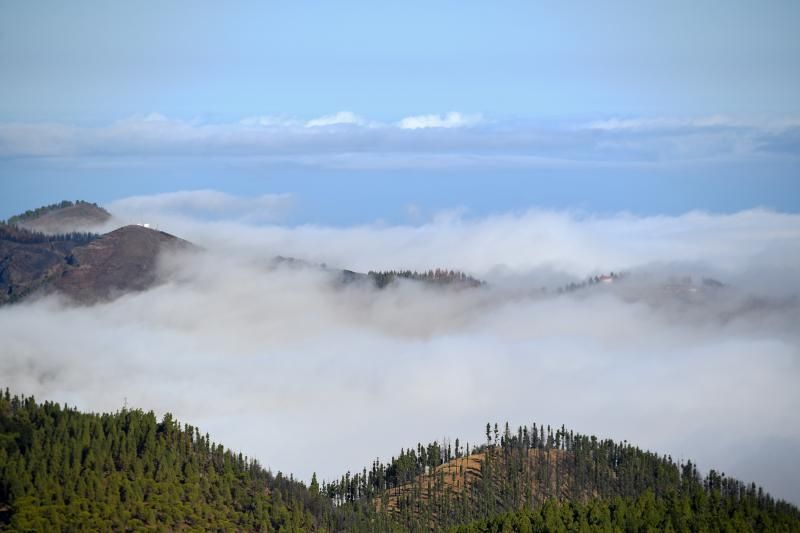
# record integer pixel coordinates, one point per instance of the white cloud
(342, 117)
(450, 120)
(708, 121)
(453, 140)
(732, 246)
(248, 352)
(634, 124)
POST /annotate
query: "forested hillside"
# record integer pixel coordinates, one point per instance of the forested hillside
(443, 485)
(16, 234)
(645, 513)
(63, 470)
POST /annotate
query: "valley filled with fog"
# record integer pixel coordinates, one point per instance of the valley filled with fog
(694, 351)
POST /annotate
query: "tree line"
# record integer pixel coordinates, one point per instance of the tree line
(435, 487)
(33, 213)
(63, 470)
(588, 282)
(671, 514)
(439, 276)
(13, 233)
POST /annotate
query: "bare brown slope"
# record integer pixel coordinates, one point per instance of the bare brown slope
(27, 266)
(453, 477)
(542, 474)
(120, 261)
(80, 216)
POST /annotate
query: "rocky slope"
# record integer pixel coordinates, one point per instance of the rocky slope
(85, 268)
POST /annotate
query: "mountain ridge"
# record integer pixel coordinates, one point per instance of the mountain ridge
(84, 267)
(63, 217)
(41, 251)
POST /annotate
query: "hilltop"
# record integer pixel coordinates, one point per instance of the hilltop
(62, 217)
(541, 471)
(120, 261)
(86, 267)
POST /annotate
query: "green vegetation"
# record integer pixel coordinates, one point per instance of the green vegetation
(16, 234)
(63, 470)
(438, 276)
(673, 513)
(536, 467)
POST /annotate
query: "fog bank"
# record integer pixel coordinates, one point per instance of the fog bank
(307, 374)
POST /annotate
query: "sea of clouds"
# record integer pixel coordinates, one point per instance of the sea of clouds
(291, 366)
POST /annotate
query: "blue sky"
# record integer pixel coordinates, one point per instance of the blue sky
(361, 110)
(100, 61)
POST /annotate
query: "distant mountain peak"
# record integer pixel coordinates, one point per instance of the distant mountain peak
(62, 217)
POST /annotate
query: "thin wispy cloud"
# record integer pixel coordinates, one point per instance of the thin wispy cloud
(345, 139)
(709, 121)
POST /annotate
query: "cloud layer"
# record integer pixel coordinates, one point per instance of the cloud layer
(450, 120)
(306, 374)
(753, 247)
(345, 139)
